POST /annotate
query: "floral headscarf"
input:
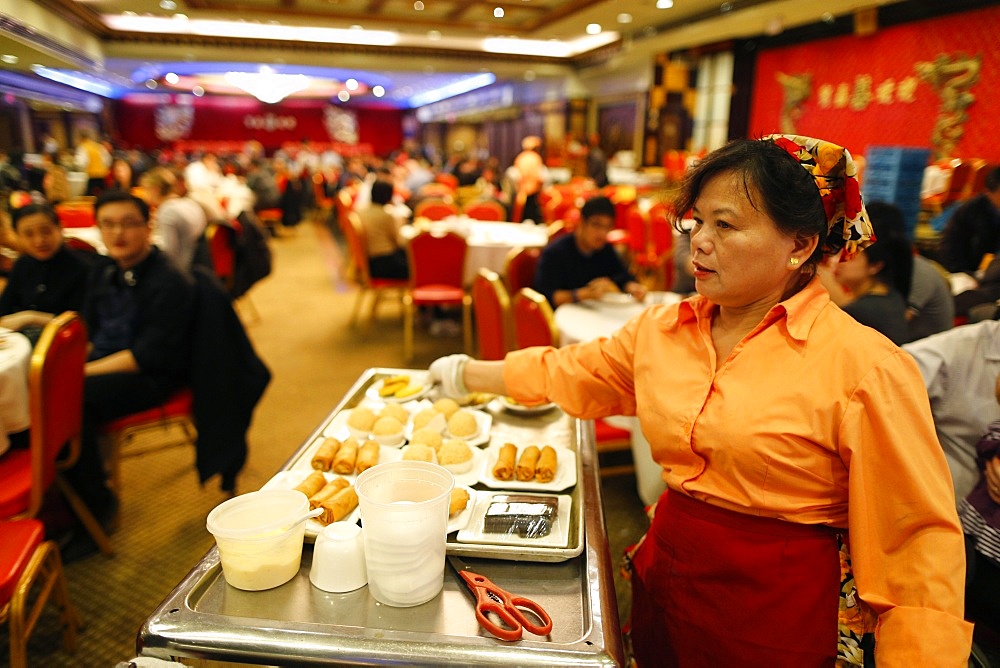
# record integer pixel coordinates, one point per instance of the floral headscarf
(836, 177)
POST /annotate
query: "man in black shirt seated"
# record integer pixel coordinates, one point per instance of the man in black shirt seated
(582, 265)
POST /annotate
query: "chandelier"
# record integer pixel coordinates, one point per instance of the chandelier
(268, 86)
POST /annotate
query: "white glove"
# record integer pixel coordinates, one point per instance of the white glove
(448, 373)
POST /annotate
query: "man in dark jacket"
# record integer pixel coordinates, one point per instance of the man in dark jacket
(974, 230)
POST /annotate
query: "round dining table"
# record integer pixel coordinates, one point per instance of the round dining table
(15, 359)
(488, 242)
(591, 319)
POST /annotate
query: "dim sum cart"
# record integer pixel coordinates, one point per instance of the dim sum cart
(297, 624)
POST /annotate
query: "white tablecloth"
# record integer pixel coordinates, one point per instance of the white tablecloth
(15, 358)
(592, 319)
(489, 242)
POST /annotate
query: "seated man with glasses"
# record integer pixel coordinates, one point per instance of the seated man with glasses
(139, 308)
(583, 265)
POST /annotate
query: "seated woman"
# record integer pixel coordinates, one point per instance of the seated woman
(386, 254)
(48, 278)
(876, 282)
(180, 220)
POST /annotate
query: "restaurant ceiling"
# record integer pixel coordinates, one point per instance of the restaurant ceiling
(402, 45)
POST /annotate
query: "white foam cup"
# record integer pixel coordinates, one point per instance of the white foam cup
(260, 545)
(338, 563)
(404, 511)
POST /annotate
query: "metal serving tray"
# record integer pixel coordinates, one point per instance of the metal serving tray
(298, 625)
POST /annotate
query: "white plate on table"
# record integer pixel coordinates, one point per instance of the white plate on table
(617, 299)
(471, 477)
(564, 479)
(473, 531)
(508, 404)
(289, 479)
(484, 422)
(372, 392)
(460, 520)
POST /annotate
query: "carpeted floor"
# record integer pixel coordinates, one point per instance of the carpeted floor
(301, 330)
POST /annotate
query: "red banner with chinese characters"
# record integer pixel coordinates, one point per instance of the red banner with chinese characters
(918, 84)
(141, 123)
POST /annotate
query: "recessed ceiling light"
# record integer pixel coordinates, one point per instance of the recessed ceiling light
(352, 84)
(828, 17)
(593, 28)
(168, 5)
(419, 6)
(171, 78)
(664, 4)
(378, 91)
(498, 13)
(624, 18)
(529, 75)
(151, 84)
(197, 91)
(180, 17)
(434, 35)
(9, 58)
(726, 6)
(343, 96)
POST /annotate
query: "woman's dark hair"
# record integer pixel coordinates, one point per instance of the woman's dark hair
(892, 247)
(775, 183)
(112, 196)
(381, 192)
(30, 210)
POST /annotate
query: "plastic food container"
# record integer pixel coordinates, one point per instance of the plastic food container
(258, 546)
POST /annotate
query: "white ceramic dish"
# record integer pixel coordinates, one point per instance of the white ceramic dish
(473, 531)
(564, 479)
(415, 379)
(484, 421)
(508, 404)
(471, 477)
(460, 520)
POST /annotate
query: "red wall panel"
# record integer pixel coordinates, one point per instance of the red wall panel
(889, 54)
(222, 119)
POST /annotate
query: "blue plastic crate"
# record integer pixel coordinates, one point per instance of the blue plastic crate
(897, 156)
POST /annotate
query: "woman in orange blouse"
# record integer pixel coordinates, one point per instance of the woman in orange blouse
(787, 432)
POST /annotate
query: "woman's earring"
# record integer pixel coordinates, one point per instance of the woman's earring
(794, 261)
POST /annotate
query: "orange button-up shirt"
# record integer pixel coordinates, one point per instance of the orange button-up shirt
(813, 418)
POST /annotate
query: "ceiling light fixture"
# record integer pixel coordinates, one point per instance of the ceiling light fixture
(352, 84)
(498, 13)
(624, 17)
(664, 4)
(9, 59)
(457, 88)
(268, 86)
(171, 78)
(419, 6)
(77, 80)
(593, 28)
(343, 96)
(378, 91)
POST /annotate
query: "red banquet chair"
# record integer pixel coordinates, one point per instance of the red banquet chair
(31, 574)
(354, 233)
(491, 306)
(535, 325)
(435, 209)
(437, 275)
(55, 397)
(485, 209)
(519, 268)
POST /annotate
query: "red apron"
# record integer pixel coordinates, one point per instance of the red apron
(712, 587)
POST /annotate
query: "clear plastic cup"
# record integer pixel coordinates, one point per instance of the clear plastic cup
(404, 511)
(258, 546)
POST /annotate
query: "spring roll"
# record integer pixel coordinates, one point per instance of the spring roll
(343, 463)
(339, 506)
(547, 465)
(367, 456)
(331, 488)
(504, 468)
(312, 484)
(323, 459)
(526, 463)
(459, 500)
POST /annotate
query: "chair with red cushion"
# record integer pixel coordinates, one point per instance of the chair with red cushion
(55, 398)
(324, 204)
(79, 244)
(491, 306)
(534, 325)
(447, 179)
(354, 233)
(173, 415)
(437, 275)
(435, 209)
(76, 214)
(31, 574)
(519, 268)
(485, 209)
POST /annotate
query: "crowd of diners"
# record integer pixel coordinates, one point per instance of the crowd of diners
(814, 390)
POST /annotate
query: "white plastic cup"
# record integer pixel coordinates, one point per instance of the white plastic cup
(404, 511)
(258, 547)
(338, 563)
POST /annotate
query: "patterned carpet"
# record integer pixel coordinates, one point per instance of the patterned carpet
(303, 334)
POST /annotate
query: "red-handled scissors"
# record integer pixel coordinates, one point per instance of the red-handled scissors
(506, 606)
